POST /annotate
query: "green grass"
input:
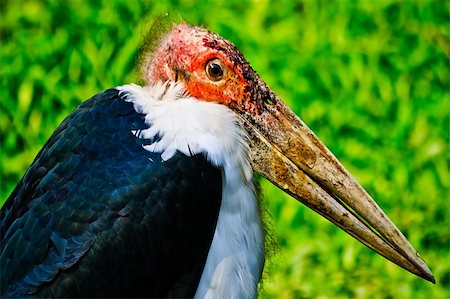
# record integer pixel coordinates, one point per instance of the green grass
(371, 78)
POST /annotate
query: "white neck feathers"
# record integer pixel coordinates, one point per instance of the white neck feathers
(236, 257)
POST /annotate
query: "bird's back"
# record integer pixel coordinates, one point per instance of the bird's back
(97, 215)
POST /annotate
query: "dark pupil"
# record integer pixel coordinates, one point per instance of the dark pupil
(215, 70)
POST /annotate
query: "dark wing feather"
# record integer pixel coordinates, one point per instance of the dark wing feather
(97, 215)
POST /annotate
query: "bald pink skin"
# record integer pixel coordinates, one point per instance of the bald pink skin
(183, 56)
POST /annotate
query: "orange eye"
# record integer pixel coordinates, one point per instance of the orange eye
(215, 70)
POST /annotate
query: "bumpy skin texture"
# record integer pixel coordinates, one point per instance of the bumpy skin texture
(96, 215)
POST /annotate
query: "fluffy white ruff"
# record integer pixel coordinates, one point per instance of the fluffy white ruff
(236, 257)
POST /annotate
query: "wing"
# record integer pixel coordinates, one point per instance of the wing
(97, 215)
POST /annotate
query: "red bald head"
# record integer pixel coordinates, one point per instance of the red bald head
(211, 68)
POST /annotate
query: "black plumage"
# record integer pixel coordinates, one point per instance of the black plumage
(97, 215)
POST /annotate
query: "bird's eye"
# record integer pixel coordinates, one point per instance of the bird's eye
(215, 69)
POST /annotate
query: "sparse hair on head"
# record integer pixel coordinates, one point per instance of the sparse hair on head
(152, 37)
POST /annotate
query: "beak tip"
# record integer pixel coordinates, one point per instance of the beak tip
(429, 276)
(425, 271)
(432, 280)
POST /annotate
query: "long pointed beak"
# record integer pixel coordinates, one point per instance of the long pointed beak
(288, 153)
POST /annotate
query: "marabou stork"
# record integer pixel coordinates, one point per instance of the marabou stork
(148, 191)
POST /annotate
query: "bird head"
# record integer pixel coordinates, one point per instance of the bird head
(283, 148)
(210, 67)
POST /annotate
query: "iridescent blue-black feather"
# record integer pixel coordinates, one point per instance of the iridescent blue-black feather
(97, 215)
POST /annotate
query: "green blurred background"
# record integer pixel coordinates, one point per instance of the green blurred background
(371, 78)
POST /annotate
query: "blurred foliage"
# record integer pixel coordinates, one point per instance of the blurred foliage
(371, 78)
